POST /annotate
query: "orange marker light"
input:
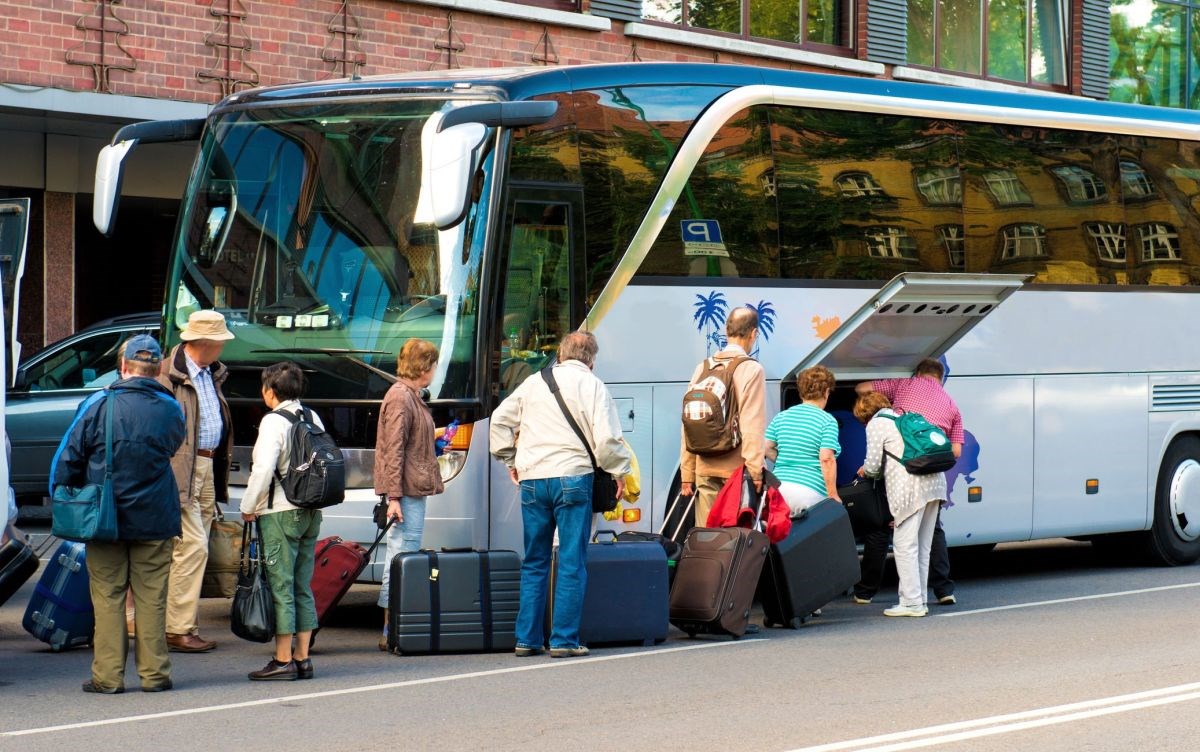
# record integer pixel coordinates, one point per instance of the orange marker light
(631, 515)
(462, 438)
(1091, 486)
(974, 494)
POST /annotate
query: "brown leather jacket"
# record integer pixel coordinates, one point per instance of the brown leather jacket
(404, 461)
(174, 376)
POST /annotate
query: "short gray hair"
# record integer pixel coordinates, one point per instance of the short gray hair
(579, 345)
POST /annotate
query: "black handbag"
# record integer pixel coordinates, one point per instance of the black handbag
(866, 502)
(252, 616)
(604, 486)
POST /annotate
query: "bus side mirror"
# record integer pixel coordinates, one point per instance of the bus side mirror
(110, 167)
(449, 168)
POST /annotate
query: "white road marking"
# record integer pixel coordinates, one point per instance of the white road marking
(1097, 596)
(1011, 722)
(535, 666)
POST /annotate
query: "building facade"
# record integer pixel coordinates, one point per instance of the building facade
(74, 71)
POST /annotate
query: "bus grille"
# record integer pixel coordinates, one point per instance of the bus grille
(1168, 397)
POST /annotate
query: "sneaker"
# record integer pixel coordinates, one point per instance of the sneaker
(901, 610)
(862, 601)
(576, 652)
(947, 600)
(93, 688)
(524, 651)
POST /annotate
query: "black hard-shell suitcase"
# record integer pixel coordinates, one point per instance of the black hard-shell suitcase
(627, 592)
(458, 601)
(18, 562)
(714, 587)
(816, 563)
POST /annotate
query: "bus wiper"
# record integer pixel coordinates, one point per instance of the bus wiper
(337, 352)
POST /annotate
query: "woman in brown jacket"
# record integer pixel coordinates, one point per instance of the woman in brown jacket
(406, 471)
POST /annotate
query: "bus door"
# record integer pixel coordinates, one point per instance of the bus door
(541, 300)
(921, 315)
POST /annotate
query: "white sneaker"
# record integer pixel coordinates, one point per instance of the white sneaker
(947, 600)
(901, 610)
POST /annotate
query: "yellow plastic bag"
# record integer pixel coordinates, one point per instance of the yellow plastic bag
(633, 487)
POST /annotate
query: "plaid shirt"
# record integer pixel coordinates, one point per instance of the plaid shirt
(208, 432)
(927, 397)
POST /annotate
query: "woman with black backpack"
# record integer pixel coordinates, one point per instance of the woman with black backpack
(289, 533)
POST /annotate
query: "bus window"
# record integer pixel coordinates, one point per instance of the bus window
(537, 289)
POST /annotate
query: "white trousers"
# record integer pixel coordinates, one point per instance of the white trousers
(910, 547)
(798, 496)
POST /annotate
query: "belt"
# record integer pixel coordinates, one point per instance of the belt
(206, 453)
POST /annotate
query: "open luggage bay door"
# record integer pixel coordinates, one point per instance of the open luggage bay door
(915, 316)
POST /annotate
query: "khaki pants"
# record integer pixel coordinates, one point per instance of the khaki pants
(142, 568)
(191, 552)
(707, 488)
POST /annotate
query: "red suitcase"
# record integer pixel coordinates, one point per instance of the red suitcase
(337, 565)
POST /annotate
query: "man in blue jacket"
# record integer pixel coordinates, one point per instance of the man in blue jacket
(147, 429)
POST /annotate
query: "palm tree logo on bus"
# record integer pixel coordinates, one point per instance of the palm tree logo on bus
(711, 311)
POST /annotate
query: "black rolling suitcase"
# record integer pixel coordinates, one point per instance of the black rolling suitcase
(627, 592)
(18, 562)
(457, 601)
(816, 563)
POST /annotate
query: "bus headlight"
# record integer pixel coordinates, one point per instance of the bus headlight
(454, 458)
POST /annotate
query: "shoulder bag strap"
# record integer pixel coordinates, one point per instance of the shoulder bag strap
(108, 448)
(548, 377)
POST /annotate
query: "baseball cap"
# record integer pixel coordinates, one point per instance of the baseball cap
(143, 348)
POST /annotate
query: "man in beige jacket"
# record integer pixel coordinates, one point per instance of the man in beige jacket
(704, 475)
(194, 375)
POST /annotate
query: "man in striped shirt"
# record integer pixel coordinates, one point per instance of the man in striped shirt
(923, 394)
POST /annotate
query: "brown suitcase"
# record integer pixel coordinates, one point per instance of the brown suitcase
(716, 579)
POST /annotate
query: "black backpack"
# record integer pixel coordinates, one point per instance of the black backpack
(316, 476)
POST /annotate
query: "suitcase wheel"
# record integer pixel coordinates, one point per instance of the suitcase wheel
(796, 622)
(691, 633)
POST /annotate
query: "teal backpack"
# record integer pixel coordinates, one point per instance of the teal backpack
(926, 448)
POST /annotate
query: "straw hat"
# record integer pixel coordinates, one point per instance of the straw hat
(205, 325)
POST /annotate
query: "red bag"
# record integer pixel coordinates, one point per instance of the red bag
(739, 505)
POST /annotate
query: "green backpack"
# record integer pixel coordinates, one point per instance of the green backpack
(926, 448)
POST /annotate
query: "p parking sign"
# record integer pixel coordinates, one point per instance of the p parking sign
(702, 237)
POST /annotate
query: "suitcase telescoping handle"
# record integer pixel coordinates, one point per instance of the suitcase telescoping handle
(388, 526)
(682, 519)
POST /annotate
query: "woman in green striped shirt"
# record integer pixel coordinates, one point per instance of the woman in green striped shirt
(803, 442)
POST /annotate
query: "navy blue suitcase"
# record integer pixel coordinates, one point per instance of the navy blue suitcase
(627, 592)
(60, 611)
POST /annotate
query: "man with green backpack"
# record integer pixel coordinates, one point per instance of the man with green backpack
(924, 395)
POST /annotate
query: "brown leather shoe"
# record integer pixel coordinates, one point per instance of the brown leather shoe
(188, 643)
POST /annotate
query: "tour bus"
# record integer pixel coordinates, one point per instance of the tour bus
(1044, 247)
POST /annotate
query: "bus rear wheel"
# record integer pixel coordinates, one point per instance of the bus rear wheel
(1174, 536)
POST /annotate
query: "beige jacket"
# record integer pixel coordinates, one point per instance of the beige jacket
(404, 460)
(750, 386)
(174, 376)
(529, 432)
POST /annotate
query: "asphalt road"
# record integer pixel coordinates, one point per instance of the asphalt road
(1049, 648)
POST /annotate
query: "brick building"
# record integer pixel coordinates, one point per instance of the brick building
(73, 71)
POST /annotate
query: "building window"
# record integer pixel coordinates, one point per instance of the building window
(955, 242)
(1082, 186)
(808, 23)
(890, 242)
(1018, 40)
(1023, 241)
(853, 184)
(1006, 188)
(1135, 183)
(941, 185)
(1151, 44)
(1159, 242)
(1109, 238)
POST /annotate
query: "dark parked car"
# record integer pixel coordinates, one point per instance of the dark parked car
(49, 387)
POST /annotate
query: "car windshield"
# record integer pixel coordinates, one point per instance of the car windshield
(310, 229)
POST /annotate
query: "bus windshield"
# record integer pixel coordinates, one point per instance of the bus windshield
(310, 228)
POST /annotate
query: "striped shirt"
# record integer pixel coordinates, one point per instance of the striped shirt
(208, 429)
(800, 433)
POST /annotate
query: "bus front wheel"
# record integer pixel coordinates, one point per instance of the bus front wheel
(1174, 537)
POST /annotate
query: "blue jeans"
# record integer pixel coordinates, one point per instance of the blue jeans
(567, 504)
(403, 537)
